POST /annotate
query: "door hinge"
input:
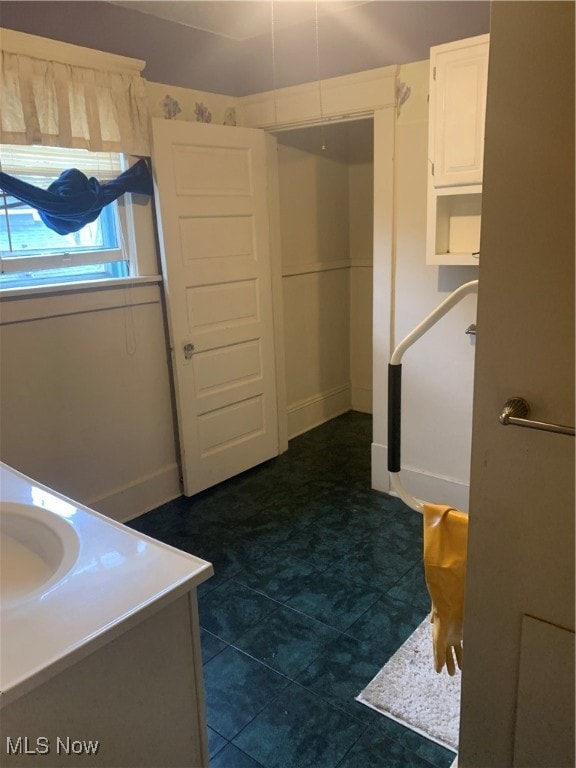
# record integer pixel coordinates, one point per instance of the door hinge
(432, 169)
(434, 73)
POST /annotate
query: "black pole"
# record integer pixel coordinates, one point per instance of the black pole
(394, 416)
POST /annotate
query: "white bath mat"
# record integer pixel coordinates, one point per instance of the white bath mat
(408, 690)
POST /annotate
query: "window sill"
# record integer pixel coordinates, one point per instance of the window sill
(79, 287)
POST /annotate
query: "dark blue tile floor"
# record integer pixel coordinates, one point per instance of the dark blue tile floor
(318, 580)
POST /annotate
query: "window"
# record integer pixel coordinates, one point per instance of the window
(32, 254)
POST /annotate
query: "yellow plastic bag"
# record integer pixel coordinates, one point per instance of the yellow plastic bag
(445, 544)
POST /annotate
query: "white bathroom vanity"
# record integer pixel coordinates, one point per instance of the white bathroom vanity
(100, 661)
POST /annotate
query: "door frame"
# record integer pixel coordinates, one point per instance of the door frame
(277, 296)
(383, 120)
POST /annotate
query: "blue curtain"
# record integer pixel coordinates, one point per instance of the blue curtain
(74, 200)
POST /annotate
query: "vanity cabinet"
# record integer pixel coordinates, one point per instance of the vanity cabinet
(101, 662)
(135, 702)
(457, 110)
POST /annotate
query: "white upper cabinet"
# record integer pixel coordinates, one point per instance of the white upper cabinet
(458, 74)
(458, 84)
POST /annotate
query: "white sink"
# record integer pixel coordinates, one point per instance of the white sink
(37, 549)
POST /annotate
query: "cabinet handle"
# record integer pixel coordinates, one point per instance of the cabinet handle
(516, 412)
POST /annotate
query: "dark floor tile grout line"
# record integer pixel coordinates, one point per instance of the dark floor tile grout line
(323, 702)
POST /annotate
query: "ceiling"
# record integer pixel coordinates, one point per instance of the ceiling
(240, 19)
(241, 47)
(304, 39)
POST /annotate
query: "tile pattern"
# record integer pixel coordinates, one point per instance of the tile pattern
(318, 581)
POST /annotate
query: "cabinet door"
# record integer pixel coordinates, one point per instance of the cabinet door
(459, 73)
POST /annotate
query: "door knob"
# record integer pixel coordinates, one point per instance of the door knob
(188, 351)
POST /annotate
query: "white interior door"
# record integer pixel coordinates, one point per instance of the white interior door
(518, 672)
(211, 198)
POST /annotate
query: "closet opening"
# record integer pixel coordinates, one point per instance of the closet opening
(326, 191)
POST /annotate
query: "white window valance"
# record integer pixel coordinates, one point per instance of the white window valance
(62, 95)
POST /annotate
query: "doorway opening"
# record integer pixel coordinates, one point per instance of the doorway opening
(326, 190)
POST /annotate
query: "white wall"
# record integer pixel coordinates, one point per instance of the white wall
(438, 370)
(86, 406)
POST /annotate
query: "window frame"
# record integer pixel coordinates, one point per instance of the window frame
(122, 255)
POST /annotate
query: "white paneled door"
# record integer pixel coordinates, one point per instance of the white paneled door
(517, 704)
(211, 199)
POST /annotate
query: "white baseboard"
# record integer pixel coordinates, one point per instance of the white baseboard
(142, 495)
(424, 485)
(315, 410)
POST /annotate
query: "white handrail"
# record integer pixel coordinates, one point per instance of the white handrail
(432, 319)
(411, 501)
(434, 316)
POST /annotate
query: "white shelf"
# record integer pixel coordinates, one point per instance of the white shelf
(453, 259)
(453, 235)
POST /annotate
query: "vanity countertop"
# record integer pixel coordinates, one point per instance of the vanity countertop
(118, 578)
